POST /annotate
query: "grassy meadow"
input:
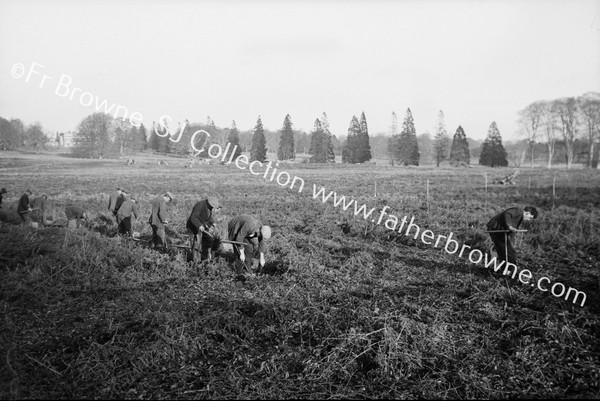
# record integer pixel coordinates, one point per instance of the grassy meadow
(346, 308)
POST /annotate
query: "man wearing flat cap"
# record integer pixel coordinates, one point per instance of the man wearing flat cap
(24, 207)
(502, 228)
(38, 207)
(254, 235)
(127, 209)
(158, 219)
(116, 199)
(198, 224)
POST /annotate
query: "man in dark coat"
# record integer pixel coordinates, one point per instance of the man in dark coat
(115, 201)
(38, 207)
(127, 209)
(2, 191)
(158, 219)
(76, 213)
(198, 224)
(24, 207)
(503, 227)
(254, 235)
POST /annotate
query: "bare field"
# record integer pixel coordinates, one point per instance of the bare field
(346, 309)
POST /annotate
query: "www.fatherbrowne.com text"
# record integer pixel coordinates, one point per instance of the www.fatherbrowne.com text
(405, 225)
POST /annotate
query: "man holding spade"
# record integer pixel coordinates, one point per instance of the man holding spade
(24, 208)
(250, 232)
(502, 229)
(198, 224)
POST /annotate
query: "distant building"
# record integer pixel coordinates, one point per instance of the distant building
(65, 139)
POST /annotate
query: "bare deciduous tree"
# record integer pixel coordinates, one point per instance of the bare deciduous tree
(530, 118)
(589, 105)
(121, 131)
(549, 124)
(566, 109)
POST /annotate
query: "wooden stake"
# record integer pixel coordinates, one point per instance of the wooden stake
(506, 250)
(553, 191)
(428, 196)
(375, 196)
(486, 190)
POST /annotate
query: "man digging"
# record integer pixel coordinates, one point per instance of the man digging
(248, 230)
(198, 224)
(502, 229)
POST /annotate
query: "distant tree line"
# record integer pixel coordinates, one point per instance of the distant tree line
(568, 120)
(562, 130)
(102, 136)
(14, 134)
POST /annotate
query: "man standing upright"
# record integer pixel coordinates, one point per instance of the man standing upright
(199, 222)
(158, 219)
(502, 229)
(24, 207)
(128, 208)
(115, 201)
(254, 235)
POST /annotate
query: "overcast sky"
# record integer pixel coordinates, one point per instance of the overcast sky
(478, 61)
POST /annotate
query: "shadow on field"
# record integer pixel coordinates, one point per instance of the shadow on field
(10, 216)
(459, 267)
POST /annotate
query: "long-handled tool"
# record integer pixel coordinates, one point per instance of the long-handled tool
(226, 241)
(505, 239)
(29, 210)
(505, 231)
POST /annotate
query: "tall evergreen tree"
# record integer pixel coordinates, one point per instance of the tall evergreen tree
(328, 141)
(137, 139)
(286, 150)
(259, 143)
(350, 151)
(164, 144)
(441, 141)
(143, 137)
(407, 147)
(364, 149)
(134, 139)
(459, 152)
(320, 144)
(492, 151)
(234, 138)
(155, 139)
